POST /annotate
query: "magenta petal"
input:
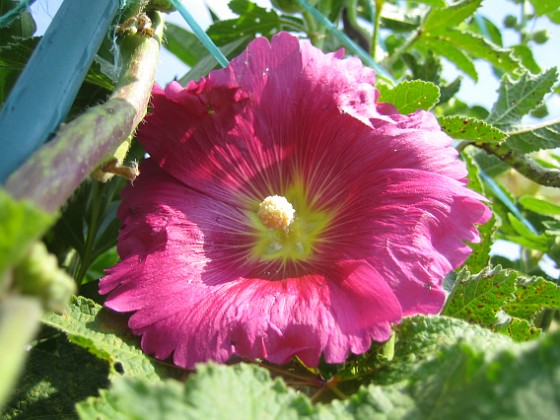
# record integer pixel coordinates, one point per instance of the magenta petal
(393, 214)
(252, 318)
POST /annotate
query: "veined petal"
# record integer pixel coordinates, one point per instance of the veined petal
(376, 213)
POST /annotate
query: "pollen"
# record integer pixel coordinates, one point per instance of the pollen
(276, 212)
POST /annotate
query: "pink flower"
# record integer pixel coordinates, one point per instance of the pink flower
(284, 212)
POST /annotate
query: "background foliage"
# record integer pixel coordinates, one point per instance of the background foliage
(492, 353)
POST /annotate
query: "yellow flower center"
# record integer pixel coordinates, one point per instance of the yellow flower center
(288, 227)
(276, 212)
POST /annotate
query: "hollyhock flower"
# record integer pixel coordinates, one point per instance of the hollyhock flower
(284, 212)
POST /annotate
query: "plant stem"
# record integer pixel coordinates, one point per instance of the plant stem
(52, 174)
(376, 25)
(524, 165)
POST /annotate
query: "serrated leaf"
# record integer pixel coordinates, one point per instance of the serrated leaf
(478, 298)
(196, 398)
(409, 96)
(22, 223)
(252, 20)
(456, 55)
(519, 330)
(106, 335)
(53, 382)
(532, 296)
(440, 19)
(183, 44)
(468, 128)
(517, 98)
(527, 139)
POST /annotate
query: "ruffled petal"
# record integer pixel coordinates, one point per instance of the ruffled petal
(331, 314)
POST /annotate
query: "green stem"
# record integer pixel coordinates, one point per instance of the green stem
(524, 165)
(347, 42)
(7, 19)
(376, 25)
(311, 28)
(410, 41)
(52, 174)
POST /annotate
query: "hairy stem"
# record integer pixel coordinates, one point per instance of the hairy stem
(52, 174)
(524, 165)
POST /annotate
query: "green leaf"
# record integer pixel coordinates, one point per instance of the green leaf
(463, 382)
(525, 55)
(527, 139)
(183, 44)
(439, 20)
(106, 335)
(454, 54)
(245, 392)
(478, 47)
(539, 206)
(53, 382)
(526, 238)
(544, 7)
(468, 128)
(252, 20)
(409, 96)
(478, 298)
(517, 98)
(22, 224)
(532, 296)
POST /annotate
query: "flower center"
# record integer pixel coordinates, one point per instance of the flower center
(287, 228)
(276, 212)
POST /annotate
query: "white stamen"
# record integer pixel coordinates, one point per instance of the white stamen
(276, 212)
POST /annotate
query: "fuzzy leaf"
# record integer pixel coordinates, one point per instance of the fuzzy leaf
(468, 128)
(533, 138)
(196, 398)
(532, 296)
(478, 298)
(461, 371)
(252, 20)
(106, 335)
(21, 224)
(464, 382)
(409, 96)
(519, 97)
(53, 382)
(439, 20)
